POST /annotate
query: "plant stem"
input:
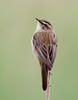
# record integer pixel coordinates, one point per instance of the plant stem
(47, 93)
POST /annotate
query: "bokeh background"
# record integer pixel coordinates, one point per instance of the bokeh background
(20, 76)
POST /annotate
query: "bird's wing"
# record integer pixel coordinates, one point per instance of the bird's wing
(52, 53)
(46, 53)
(54, 48)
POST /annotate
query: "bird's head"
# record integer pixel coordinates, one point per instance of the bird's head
(43, 25)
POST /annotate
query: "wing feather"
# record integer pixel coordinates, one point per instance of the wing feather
(47, 55)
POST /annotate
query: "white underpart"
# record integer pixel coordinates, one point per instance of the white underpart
(38, 28)
(33, 49)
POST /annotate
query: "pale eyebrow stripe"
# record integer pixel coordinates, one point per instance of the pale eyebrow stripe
(46, 22)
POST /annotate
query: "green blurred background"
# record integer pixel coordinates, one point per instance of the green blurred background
(20, 76)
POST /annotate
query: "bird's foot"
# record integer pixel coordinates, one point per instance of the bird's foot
(50, 73)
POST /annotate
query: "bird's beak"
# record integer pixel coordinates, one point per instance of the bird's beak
(39, 20)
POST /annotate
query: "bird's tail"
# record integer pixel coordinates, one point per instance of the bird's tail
(44, 73)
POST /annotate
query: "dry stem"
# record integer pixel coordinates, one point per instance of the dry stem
(47, 93)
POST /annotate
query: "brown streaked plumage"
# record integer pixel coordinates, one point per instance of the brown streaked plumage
(44, 43)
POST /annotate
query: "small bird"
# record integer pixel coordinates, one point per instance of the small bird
(44, 46)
